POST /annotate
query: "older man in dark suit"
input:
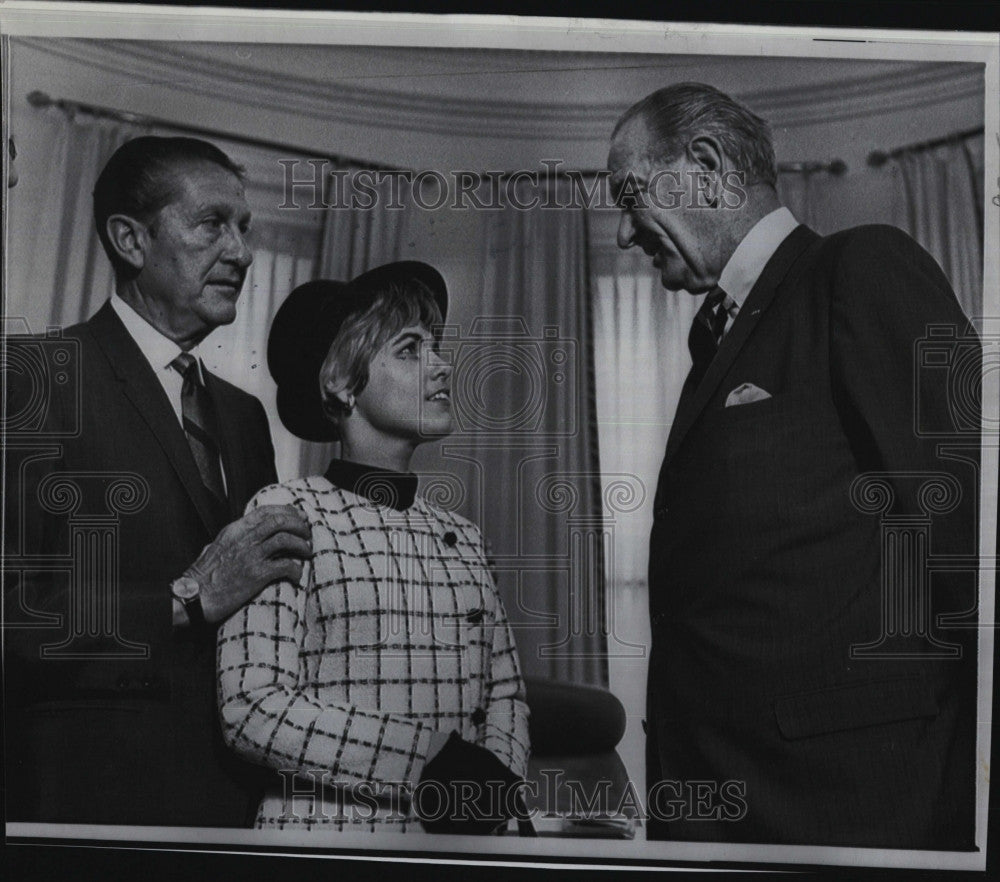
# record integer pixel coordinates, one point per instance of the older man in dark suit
(125, 541)
(803, 673)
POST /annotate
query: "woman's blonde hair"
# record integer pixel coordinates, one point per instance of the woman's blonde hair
(365, 332)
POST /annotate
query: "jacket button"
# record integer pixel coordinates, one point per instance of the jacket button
(478, 717)
(475, 617)
(147, 682)
(450, 539)
(123, 682)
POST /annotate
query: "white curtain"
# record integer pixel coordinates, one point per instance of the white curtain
(828, 203)
(525, 447)
(942, 208)
(58, 274)
(641, 359)
(934, 194)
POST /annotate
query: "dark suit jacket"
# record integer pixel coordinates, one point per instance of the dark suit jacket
(767, 561)
(119, 724)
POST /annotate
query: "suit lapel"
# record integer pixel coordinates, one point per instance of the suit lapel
(693, 401)
(230, 439)
(144, 391)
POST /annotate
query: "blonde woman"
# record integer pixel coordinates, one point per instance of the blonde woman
(383, 687)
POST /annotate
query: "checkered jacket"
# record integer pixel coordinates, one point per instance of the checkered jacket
(395, 630)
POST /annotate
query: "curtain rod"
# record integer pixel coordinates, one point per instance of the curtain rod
(41, 100)
(879, 158)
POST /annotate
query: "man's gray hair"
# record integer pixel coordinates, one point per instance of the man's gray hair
(675, 114)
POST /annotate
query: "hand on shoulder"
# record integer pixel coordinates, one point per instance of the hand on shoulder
(266, 545)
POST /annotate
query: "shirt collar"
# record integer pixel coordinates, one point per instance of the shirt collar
(752, 254)
(381, 486)
(159, 350)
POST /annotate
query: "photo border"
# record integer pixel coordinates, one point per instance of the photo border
(223, 25)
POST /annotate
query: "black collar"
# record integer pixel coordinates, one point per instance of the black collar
(382, 486)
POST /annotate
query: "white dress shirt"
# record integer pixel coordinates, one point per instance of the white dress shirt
(747, 262)
(157, 349)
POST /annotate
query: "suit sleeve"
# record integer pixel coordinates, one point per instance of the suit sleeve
(506, 730)
(905, 369)
(264, 432)
(272, 716)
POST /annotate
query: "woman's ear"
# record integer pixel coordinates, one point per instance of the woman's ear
(346, 400)
(129, 238)
(337, 397)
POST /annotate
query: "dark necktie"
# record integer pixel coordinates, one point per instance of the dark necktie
(706, 332)
(200, 424)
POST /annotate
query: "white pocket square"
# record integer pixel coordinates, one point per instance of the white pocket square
(745, 393)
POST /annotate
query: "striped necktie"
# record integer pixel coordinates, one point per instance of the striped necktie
(706, 331)
(200, 425)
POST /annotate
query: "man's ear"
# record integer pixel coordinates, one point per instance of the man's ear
(129, 238)
(706, 152)
(709, 160)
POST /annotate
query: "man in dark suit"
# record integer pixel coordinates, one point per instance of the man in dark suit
(805, 685)
(129, 466)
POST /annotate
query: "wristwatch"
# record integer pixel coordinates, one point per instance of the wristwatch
(187, 590)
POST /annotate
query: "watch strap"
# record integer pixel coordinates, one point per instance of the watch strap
(195, 613)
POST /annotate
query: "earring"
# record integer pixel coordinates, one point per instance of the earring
(350, 403)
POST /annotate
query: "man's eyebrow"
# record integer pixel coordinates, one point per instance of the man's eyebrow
(223, 208)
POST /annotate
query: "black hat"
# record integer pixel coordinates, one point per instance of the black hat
(305, 325)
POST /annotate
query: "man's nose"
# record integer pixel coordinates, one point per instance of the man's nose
(626, 231)
(238, 250)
